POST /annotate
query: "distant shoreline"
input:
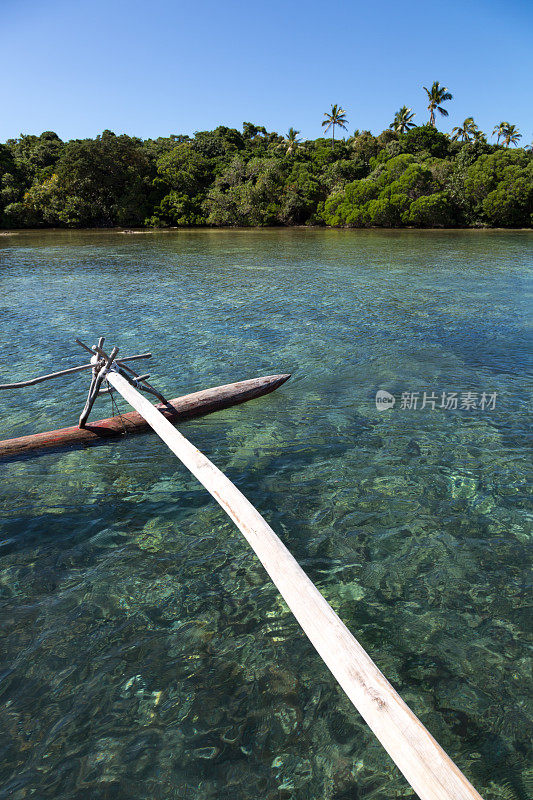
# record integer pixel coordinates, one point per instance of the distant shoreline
(258, 229)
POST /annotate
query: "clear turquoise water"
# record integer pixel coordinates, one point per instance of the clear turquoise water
(144, 653)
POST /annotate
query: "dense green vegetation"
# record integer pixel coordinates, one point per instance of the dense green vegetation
(406, 176)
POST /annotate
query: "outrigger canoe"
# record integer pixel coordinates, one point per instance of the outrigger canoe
(189, 406)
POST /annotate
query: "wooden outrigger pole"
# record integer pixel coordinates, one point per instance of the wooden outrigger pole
(429, 770)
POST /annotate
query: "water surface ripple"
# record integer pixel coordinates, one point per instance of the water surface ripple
(144, 653)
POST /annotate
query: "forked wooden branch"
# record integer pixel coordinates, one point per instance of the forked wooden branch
(99, 374)
(41, 378)
(71, 370)
(97, 348)
(137, 379)
(429, 770)
(102, 365)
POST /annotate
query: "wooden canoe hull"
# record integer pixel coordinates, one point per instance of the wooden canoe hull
(189, 406)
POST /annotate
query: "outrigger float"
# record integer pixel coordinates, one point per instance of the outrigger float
(189, 406)
(423, 762)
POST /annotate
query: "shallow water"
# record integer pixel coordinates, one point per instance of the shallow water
(144, 652)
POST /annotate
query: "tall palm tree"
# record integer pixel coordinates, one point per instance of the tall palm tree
(291, 142)
(499, 130)
(403, 120)
(437, 95)
(466, 131)
(510, 135)
(337, 117)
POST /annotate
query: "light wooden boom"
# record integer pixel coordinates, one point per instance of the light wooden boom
(431, 773)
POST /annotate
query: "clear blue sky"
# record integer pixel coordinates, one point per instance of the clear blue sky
(172, 66)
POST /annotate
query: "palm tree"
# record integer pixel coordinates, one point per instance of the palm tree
(403, 120)
(510, 135)
(291, 142)
(499, 129)
(466, 131)
(337, 117)
(437, 95)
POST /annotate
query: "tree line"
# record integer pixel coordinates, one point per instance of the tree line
(407, 175)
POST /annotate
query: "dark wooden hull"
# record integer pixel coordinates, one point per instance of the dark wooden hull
(182, 408)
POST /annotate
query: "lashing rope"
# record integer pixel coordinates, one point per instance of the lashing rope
(114, 406)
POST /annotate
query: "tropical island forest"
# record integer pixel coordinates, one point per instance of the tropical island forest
(407, 176)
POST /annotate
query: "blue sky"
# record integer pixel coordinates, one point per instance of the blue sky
(155, 68)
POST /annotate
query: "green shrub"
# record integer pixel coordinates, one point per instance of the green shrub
(430, 211)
